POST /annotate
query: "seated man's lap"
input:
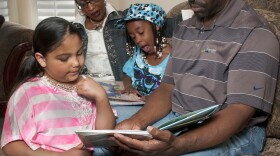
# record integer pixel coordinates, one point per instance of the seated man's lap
(250, 141)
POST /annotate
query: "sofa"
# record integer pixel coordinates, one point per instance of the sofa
(270, 10)
(15, 43)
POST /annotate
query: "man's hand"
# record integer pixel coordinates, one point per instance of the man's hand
(128, 124)
(163, 143)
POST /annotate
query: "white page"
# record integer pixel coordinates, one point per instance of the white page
(186, 14)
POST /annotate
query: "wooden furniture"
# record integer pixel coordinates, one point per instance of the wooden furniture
(15, 42)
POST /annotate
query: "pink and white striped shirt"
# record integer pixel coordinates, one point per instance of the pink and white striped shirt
(44, 116)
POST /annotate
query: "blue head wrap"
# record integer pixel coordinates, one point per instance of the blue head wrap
(149, 12)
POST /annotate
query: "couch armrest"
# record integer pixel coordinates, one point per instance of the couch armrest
(11, 36)
(12, 65)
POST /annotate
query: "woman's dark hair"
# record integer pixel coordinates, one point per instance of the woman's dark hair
(48, 35)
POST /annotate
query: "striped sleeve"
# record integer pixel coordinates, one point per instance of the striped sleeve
(253, 72)
(19, 123)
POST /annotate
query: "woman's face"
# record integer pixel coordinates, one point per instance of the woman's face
(65, 62)
(141, 33)
(93, 9)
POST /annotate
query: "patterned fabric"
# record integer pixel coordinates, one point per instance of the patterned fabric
(145, 78)
(45, 116)
(270, 5)
(224, 64)
(149, 12)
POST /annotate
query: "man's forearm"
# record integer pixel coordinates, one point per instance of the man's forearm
(158, 104)
(216, 130)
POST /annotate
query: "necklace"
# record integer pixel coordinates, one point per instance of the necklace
(144, 55)
(81, 106)
(96, 25)
(65, 87)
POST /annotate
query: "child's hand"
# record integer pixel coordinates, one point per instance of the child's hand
(90, 89)
(130, 90)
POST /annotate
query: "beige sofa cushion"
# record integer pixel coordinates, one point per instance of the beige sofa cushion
(272, 5)
(273, 127)
(273, 19)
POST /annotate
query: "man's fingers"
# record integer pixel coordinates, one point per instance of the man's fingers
(165, 136)
(123, 141)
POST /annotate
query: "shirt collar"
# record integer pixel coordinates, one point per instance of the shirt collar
(225, 19)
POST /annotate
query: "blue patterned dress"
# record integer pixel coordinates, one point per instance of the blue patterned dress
(145, 78)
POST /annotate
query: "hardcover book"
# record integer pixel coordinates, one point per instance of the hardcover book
(101, 138)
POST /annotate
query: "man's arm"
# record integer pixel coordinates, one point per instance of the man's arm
(219, 128)
(216, 130)
(159, 101)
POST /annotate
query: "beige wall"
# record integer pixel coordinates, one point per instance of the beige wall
(165, 4)
(24, 11)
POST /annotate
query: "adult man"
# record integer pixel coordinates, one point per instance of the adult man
(225, 54)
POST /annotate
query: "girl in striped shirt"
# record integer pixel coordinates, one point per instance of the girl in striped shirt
(52, 100)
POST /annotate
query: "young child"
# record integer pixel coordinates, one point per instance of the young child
(149, 50)
(53, 100)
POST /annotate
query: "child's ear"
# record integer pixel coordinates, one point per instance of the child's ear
(41, 59)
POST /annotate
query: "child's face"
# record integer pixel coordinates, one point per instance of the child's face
(142, 34)
(65, 62)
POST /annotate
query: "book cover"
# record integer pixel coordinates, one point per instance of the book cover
(189, 118)
(101, 138)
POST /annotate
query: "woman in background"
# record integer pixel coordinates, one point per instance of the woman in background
(106, 44)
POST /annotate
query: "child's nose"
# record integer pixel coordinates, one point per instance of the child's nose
(138, 40)
(75, 63)
(90, 6)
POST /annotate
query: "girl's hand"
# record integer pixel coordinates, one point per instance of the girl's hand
(90, 89)
(130, 90)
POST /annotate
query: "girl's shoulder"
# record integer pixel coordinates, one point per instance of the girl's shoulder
(35, 82)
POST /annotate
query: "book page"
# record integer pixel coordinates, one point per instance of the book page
(186, 14)
(113, 90)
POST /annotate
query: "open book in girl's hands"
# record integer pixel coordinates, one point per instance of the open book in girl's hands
(101, 138)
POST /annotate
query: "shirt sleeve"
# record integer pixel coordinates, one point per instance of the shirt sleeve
(19, 122)
(129, 65)
(253, 71)
(168, 74)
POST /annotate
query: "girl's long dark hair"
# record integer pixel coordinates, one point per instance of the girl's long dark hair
(48, 35)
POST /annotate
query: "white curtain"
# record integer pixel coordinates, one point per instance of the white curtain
(4, 9)
(30, 12)
(60, 8)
